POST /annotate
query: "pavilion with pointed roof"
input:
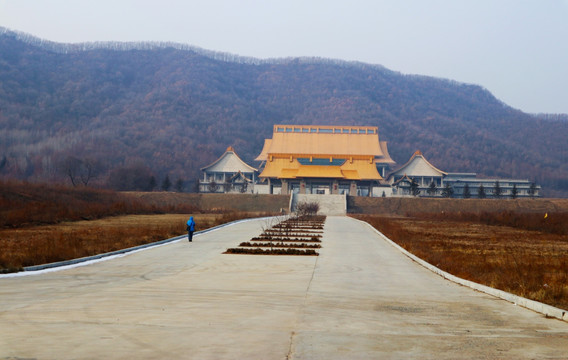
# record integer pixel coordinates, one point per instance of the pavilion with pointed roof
(228, 174)
(312, 159)
(418, 170)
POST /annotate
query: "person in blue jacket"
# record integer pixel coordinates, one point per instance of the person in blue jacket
(190, 228)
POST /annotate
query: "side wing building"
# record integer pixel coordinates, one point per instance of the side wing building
(418, 177)
(228, 174)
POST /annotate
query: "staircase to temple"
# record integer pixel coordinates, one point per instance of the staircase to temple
(329, 204)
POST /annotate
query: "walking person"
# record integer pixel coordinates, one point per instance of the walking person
(190, 228)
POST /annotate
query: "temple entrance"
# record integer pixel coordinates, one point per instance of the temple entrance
(319, 188)
(294, 187)
(344, 189)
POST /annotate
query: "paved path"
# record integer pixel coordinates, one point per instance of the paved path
(360, 299)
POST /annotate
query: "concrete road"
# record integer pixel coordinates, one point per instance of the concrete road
(360, 299)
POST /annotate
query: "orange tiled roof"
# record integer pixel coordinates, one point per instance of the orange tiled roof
(283, 168)
(323, 141)
(316, 171)
(386, 158)
(273, 169)
(263, 156)
(351, 174)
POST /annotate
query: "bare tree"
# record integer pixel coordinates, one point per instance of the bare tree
(70, 167)
(89, 169)
(80, 171)
(307, 208)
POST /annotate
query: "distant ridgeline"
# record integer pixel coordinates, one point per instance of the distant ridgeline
(130, 115)
(64, 48)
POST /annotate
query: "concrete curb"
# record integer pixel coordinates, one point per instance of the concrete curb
(128, 250)
(100, 256)
(547, 310)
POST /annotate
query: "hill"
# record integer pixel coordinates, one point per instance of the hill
(119, 113)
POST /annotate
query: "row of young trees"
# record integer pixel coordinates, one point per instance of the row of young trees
(134, 179)
(448, 191)
(83, 171)
(227, 186)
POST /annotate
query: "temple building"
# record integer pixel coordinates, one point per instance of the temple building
(419, 171)
(345, 160)
(228, 174)
(420, 178)
(311, 159)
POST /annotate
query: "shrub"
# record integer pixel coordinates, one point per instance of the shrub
(307, 208)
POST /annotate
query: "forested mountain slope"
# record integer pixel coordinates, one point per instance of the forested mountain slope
(169, 109)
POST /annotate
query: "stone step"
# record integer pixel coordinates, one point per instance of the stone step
(329, 204)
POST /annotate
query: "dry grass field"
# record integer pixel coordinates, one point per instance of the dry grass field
(525, 254)
(36, 245)
(411, 206)
(47, 223)
(215, 202)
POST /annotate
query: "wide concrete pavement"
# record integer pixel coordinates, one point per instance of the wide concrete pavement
(360, 299)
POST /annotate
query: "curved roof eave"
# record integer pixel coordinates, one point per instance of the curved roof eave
(228, 152)
(416, 153)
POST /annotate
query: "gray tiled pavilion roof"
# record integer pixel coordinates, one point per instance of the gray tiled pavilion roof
(229, 162)
(417, 166)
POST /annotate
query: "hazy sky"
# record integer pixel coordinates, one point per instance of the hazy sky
(516, 49)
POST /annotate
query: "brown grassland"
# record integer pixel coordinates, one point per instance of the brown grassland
(70, 240)
(42, 224)
(524, 254)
